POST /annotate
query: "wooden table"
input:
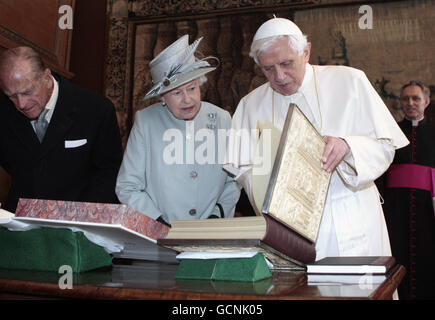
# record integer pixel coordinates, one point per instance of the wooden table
(148, 280)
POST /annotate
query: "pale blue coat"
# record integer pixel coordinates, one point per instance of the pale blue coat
(159, 178)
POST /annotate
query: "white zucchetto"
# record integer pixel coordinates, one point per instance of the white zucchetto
(277, 27)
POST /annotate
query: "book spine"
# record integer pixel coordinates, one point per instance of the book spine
(287, 241)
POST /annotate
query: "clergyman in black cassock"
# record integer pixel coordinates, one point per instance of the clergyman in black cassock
(408, 197)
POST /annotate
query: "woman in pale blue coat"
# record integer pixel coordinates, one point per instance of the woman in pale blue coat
(172, 165)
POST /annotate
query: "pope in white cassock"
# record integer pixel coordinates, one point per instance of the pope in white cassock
(361, 135)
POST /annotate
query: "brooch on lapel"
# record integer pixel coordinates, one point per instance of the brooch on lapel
(212, 120)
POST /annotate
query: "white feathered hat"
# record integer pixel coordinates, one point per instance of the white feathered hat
(175, 66)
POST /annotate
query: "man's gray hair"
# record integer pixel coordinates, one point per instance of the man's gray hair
(425, 89)
(24, 53)
(296, 43)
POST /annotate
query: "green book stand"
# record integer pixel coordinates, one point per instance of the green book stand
(47, 249)
(231, 269)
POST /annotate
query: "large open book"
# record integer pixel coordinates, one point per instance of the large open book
(291, 197)
(124, 232)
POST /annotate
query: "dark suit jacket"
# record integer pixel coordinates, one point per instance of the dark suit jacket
(52, 170)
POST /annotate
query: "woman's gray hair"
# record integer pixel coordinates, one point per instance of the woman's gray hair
(296, 43)
(202, 80)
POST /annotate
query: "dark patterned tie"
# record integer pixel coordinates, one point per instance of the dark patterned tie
(41, 125)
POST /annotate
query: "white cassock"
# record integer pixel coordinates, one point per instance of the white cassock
(340, 102)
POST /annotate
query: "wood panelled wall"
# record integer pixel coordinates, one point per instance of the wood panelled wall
(89, 44)
(35, 24)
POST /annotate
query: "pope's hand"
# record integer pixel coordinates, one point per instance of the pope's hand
(335, 150)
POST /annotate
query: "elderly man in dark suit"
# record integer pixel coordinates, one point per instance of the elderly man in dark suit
(57, 141)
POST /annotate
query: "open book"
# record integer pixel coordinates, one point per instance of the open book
(291, 198)
(122, 231)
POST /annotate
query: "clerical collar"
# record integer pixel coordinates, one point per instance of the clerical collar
(415, 123)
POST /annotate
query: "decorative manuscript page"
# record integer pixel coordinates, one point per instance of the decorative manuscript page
(298, 185)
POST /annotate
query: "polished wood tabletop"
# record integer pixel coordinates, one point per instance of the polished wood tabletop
(151, 280)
